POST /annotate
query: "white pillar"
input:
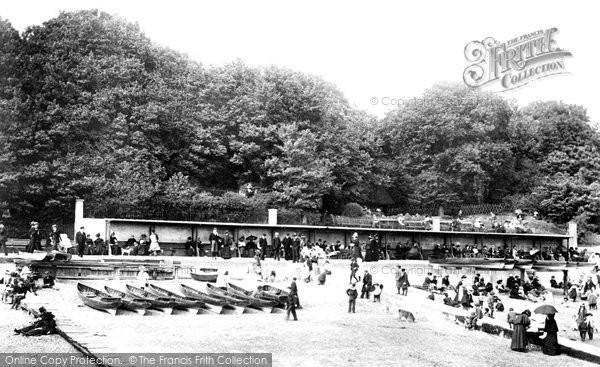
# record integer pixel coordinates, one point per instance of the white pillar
(272, 217)
(436, 225)
(572, 234)
(78, 214)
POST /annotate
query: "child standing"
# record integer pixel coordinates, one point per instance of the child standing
(352, 295)
(377, 292)
(511, 317)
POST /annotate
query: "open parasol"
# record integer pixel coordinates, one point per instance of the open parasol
(546, 310)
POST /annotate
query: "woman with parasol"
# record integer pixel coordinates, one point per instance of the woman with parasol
(551, 346)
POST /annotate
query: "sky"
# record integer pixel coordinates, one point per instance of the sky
(378, 53)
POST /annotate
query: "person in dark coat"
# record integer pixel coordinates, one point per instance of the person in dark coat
(48, 280)
(369, 249)
(352, 295)
(43, 326)
(265, 250)
(227, 245)
(100, 245)
(114, 244)
(404, 283)
(367, 283)
(294, 291)
(296, 248)
(214, 240)
(291, 306)
(190, 247)
(3, 238)
(355, 245)
(80, 238)
(53, 240)
(143, 245)
(519, 336)
(35, 239)
(287, 247)
(551, 346)
(277, 247)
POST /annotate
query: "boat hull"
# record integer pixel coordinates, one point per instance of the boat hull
(96, 299)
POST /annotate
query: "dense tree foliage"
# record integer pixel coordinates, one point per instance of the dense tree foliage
(91, 108)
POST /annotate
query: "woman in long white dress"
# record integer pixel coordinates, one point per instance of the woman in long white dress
(142, 277)
(154, 246)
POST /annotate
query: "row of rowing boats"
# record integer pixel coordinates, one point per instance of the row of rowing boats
(233, 299)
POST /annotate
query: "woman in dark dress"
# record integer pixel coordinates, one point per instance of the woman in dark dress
(551, 346)
(519, 336)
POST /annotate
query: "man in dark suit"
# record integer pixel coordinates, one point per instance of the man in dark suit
(294, 292)
(287, 247)
(367, 283)
(296, 249)
(3, 238)
(214, 240)
(264, 248)
(277, 247)
(80, 239)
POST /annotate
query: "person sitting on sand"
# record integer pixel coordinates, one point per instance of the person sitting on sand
(554, 284)
(44, 326)
(517, 293)
(20, 289)
(500, 287)
(471, 321)
(48, 280)
(572, 294)
(449, 301)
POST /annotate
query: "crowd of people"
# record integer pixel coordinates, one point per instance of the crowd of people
(483, 299)
(16, 285)
(558, 253)
(291, 247)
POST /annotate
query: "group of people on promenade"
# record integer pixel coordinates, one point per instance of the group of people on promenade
(291, 247)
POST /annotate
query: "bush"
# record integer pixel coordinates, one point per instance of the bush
(352, 210)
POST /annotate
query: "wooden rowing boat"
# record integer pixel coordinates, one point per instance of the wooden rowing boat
(209, 300)
(572, 265)
(269, 292)
(480, 263)
(205, 275)
(270, 288)
(165, 304)
(97, 299)
(180, 301)
(226, 296)
(549, 265)
(138, 305)
(254, 301)
(54, 255)
(35, 256)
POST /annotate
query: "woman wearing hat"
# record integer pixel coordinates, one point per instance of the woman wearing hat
(551, 346)
(519, 336)
(35, 239)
